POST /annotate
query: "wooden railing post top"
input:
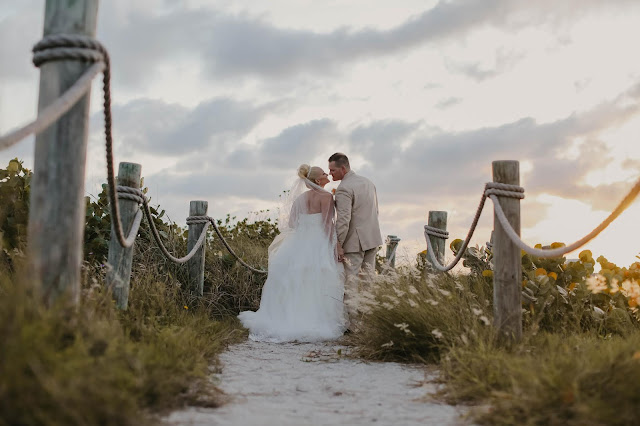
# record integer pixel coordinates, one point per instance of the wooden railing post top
(493, 163)
(198, 207)
(129, 174)
(132, 165)
(506, 171)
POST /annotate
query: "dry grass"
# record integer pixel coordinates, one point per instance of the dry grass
(578, 375)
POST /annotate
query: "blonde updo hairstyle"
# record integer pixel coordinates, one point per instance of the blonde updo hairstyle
(308, 172)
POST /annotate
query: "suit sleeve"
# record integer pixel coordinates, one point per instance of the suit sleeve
(344, 200)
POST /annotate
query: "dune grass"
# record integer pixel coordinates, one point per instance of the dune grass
(574, 372)
(92, 364)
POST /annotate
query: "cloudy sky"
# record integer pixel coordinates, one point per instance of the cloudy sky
(222, 100)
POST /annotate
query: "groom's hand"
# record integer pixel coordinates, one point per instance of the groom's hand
(340, 253)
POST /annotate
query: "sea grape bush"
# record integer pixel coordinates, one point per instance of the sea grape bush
(560, 294)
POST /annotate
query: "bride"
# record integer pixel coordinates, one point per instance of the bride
(302, 297)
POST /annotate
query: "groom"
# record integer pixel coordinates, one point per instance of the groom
(357, 223)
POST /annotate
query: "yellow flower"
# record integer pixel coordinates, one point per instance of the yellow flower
(541, 271)
(636, 355)
(186, 307)
(557, 245)
(487, 273)
(553, 275)
(572, 286)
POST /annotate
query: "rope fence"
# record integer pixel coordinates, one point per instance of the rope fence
(504, 192)
(492, 191)
(59, 47)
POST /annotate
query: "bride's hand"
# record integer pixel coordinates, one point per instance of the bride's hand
(340, 253)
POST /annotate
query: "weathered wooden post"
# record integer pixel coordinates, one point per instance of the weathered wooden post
(120, 258)
(437, 219)
(392, 247)
(195, 265)
(57, 208)
(507, 307)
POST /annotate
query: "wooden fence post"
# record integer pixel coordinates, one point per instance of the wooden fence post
(438, 219)
(392, 247)
(507, 275)
(57, 206)
(120, 258)
(195, 265)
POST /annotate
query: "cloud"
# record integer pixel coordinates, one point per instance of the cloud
(294, 145)
(504, 60)
(18, 37)
(457, 164)
(380, 140)
(163, 129)
(448, 102)
(141, 36)
(242, 45)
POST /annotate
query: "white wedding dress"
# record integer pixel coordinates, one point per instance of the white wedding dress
(302, 297)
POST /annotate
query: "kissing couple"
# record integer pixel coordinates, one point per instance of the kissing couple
(323, 246)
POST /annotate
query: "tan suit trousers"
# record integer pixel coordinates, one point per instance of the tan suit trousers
(356, 267)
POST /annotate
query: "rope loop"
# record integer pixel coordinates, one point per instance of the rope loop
(133, 194)
(75, 47)
(436, 232)
(193, 220)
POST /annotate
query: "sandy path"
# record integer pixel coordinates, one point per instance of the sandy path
(312, 384)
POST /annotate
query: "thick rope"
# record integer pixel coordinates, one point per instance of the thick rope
(163, 249)
(59, 47)
(428, 230)
(52, 112)
(212, 221)
(135, 194)
(437, 232)
(132, 194)
(561, 251)
(493, 190)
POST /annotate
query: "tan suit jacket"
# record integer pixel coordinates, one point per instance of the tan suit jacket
(357, 208)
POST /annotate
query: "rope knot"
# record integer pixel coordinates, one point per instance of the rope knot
(58, 47)
(503, 190)
(436, 232)
(193, 220)
(133, 194)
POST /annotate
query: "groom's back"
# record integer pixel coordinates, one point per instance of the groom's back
(357, 205)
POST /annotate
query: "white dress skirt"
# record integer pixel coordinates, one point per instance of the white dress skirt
(302, 297)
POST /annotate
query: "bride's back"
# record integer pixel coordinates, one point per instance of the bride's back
(315, 201)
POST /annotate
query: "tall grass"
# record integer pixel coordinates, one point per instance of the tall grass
(91, 364)
(580, 368)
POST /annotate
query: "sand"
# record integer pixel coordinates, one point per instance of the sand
(316, 384)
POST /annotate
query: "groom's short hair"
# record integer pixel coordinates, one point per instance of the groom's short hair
(340, 159)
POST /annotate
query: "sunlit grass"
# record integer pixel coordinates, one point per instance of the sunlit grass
(571, 371)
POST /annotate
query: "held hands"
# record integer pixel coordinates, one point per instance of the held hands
(340, 253)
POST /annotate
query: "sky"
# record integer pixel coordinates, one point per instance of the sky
(222, 100)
